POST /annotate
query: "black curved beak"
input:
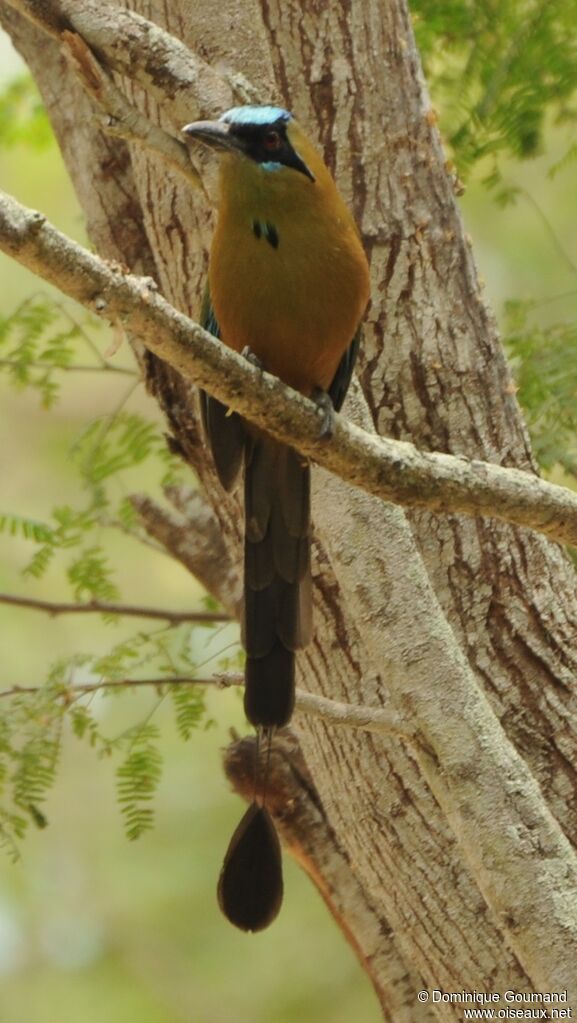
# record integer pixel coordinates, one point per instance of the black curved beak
(214, 134)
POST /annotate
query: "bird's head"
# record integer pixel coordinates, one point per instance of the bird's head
(267, 136)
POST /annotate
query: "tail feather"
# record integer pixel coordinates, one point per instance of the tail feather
(226, 436)
(259, 487)
(293, 482)
(259, 562)
(277, 611)
(269, 694)
(264, 611)
(291, 554)
(304, 632)
(250, 886)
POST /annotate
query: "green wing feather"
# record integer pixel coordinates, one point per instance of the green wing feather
(224, 431)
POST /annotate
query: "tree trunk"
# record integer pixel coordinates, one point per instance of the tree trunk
(465, 626)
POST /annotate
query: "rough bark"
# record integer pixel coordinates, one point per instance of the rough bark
(432, 372)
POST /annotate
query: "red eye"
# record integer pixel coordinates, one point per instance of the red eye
(272, 140)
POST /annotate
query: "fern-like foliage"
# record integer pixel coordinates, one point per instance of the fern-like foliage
(91, 576)
(544, 362)
(189, 707)
(38, 341)
(27, 529)
(35, 771)
(497, 71)
(30, 733)
(35, 345)
(32, 724)
(42, 339)
(112, 444)
(137, 779)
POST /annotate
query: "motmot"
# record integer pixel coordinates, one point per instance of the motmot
(288, 285)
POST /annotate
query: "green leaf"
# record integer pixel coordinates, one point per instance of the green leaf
(91, 576)
(497, 73)
(27, 529)
(109, 446)
(544, 362)
(35, 770)
(39, 562)
(189, 706)
(137, 781)
(83, 724)
(35, 344)
(119, 661)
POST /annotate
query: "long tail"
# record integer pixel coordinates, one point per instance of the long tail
(276, 622)
(277, 579)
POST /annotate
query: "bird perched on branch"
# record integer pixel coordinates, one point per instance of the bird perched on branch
(288, 285)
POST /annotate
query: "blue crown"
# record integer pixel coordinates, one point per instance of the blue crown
(255, 115)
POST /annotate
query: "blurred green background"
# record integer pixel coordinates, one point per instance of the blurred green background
(91, 925)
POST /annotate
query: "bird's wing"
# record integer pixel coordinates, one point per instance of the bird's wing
(223, 429)
(342, 377)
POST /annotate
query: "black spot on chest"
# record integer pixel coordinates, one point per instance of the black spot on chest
(271, 234)
(266, 230)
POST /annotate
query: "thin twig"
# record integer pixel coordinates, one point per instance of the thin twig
(367, 719)
(561, 250)
(54, 608)
(349, 715)
(104, 368)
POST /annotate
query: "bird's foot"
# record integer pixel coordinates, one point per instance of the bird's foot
(248, 354)
(324, 404)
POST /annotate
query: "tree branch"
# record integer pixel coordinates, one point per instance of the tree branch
(131, 45)
(101, 607)
(393, 470)
(120, 118)
(367, 719)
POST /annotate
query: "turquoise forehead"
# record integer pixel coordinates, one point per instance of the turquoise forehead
(255, 115)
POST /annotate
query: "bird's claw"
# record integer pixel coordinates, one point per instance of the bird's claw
(323, 401)
(248, 354)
